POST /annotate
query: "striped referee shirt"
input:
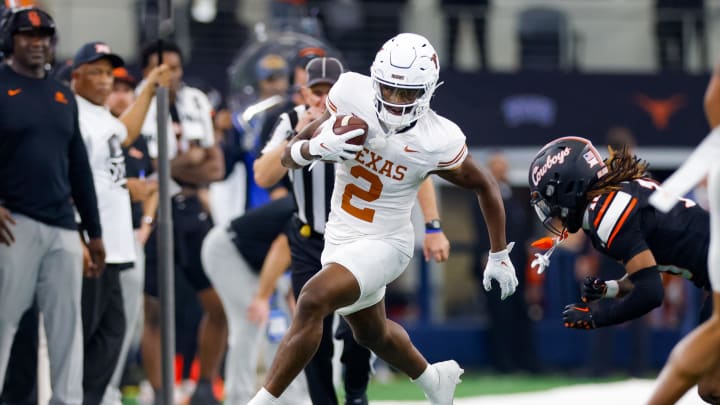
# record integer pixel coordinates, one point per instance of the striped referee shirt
(312, 189)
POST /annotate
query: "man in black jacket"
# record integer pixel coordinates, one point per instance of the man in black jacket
(43, 170)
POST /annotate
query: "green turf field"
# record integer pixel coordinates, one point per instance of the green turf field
(480, 384)
(474, 384)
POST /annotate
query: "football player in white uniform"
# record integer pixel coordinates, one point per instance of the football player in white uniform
(695, 359)
(369, 235)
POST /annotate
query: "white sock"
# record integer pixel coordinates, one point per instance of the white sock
(263, 397)
(428, 380)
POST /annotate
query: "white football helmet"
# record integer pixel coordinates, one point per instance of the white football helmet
(405, 74)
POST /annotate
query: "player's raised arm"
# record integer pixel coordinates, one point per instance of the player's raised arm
(471, 176)
(499, 267)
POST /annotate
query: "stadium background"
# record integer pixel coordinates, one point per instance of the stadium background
(545, 68)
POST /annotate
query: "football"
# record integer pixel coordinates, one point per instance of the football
(346, 123)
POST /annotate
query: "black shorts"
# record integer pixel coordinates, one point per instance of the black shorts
(306, 253)
(190, 225)
(254, 232)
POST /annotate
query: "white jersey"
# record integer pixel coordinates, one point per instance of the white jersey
(195, 112)
(374, 194)
(103, 135)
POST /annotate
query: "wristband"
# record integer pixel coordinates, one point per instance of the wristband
(612, 288)
(433, 226)
(296, 153)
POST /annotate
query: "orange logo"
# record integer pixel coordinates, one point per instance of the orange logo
(434, 58)
(660, 110)
(407, 149)
(582, 309)
(60, 97)
(34, 18)
(14, 92)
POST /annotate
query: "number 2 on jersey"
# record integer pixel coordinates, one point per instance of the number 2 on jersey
(371, 194)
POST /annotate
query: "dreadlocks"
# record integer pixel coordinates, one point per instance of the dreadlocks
(621, 167)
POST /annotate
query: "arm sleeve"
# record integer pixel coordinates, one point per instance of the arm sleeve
(81, 182)
(208, 139)
(647, 294)
(694, 169)
(281, 131)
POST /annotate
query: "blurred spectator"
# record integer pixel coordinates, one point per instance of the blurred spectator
(63, 72)
(144, 201)
(238, 192)
(233, 256)
(195, 162)
(620, 137)
(511, 346)
(678, 23)
(477, 12)
(298, 78)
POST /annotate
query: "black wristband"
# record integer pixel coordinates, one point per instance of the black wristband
(433, 226)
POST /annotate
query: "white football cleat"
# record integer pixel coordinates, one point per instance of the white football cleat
(449, 373)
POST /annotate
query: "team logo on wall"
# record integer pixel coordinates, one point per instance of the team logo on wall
(660, 109)
(529, 109)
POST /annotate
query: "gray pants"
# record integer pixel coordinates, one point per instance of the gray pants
(45, 264)
(236, 284)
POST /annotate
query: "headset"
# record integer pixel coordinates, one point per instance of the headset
(7, 22)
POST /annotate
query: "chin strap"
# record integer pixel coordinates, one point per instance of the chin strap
(542, 260)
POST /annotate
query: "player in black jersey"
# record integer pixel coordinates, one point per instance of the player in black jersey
(572, 187)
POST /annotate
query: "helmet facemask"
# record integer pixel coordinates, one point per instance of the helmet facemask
(404, 74)
(399, 106)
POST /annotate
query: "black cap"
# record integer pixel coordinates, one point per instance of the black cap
(323, 70)
(93, 51)
(32, 19)
(63, 72)
(122, 75)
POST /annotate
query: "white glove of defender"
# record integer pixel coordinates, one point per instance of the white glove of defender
(500, 268)
(331, 147)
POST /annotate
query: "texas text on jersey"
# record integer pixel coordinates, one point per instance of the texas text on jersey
(622, 224)
(374, 194)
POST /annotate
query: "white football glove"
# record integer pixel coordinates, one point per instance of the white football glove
(331, 147)
(500, 268)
